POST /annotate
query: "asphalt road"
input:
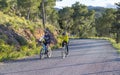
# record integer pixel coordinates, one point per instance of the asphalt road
(86, 57)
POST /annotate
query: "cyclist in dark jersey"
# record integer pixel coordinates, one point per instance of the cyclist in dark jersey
(47, 40)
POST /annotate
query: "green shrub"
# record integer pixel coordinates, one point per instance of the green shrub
(24, 48)
(14, 55)
(6, 48)
(21, 40)
(2, 42)
(3, 56)
(28, 53)
(37, 50)
(32, 45)
(3, 37)
(55, 46)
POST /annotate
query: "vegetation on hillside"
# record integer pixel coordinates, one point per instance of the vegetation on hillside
(21, 24)
(18, 36)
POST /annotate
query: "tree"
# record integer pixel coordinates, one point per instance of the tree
(48, 12)
(51, 13)
(83, 20)
(116, 25)
(104, 23)
(7, 6)
(28, 7)
(53, 18)
(65, 18)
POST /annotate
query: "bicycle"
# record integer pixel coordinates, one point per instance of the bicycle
(45, 50)
(64, 51)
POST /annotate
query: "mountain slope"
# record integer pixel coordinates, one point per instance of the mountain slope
(18, 36)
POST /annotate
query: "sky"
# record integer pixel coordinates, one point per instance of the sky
(102, 3)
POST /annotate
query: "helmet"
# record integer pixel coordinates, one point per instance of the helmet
(64, 33)
(45, 31)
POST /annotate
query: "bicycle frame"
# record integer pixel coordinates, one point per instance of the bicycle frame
(43, 51)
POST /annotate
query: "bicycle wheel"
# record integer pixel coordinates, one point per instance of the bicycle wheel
(64, 52)
(42, 52)
(49, 53)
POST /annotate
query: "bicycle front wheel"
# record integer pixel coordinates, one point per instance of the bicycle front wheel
(42, 52)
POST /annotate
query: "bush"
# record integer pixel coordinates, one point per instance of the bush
(21, 40)
(3, 37)
(24, 48)
(2, 42)
(6, 48)
(37, 50)
(32, 44)
(55, 46)
(14, 55)
(4, 56)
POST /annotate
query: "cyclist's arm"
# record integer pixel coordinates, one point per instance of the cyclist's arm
(41, 38)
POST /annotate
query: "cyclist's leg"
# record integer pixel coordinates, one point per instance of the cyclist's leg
(67, 47)
(48, 46)
(45, 48)
(49, 51)
(62, 44)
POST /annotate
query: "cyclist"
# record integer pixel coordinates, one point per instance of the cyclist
(65, 39)
(46, 40)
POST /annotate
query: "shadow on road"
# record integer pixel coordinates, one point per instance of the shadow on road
(70, 65)
(33, 59)
(86, 43)
(103, 72)
(22, 60)
(79, 46)
(2, 74)
(82, 54)
(117, 59)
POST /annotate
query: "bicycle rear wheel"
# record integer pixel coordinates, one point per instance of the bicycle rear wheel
(64, 52)
(49, 53)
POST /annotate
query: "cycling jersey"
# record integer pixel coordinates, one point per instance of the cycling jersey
(65, 38)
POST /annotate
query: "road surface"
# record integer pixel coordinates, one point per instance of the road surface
(86, 57)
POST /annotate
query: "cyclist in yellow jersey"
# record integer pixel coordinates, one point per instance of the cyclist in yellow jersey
(65, 39)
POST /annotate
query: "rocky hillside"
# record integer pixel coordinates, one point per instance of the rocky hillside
(18, 34)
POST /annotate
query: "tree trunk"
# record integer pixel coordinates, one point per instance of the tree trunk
(43, 14)
(28, 14)
(117, 37)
